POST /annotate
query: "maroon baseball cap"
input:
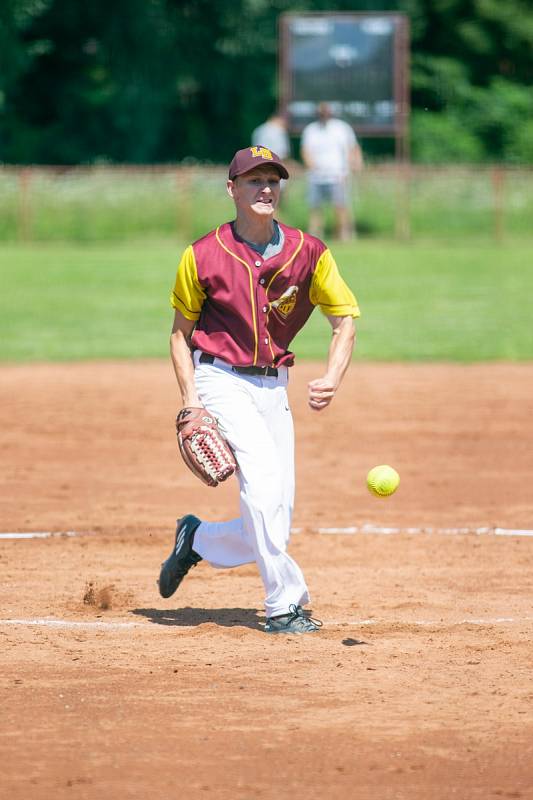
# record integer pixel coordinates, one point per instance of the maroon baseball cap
(245, 160)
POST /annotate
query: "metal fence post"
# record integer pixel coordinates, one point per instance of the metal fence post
(24, 209)
(498, 184)
(403, 201)
(183, 186)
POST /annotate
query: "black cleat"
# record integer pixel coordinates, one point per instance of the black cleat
(296, 621)
(182, 558)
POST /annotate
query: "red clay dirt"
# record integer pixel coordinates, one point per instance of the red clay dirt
(418, 686)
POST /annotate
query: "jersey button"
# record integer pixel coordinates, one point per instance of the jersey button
(262, 281)
(265, 309)
(257, 263)
(266, 341)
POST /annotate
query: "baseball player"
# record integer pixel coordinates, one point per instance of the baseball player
(242, 293)
(331, 152)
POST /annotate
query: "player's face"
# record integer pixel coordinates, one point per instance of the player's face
(256, 191)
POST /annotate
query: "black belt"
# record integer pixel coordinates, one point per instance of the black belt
(271, 372)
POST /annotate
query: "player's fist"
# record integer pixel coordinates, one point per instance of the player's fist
(320, 393)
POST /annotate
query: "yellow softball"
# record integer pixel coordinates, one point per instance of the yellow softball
(383, 480)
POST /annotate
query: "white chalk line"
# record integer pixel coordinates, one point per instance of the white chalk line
(40, 534)
(347, 531)
(65, 623)
(391, 531)
(422, 623)
(418, 623)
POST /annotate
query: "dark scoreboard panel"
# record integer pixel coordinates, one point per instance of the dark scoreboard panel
(355, 62)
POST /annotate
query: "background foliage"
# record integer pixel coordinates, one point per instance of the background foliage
(155, 81)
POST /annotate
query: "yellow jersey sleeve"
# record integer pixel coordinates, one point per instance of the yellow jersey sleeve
(188, 295)
(329, 291)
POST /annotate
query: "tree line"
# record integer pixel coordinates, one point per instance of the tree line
(158, 81)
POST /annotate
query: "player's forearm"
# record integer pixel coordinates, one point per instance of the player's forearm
(306, 158)
(340, 350)
(356, 159)
(184, 368)
(322, 390)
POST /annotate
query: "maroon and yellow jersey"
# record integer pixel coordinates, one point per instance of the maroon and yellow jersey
(248, 310)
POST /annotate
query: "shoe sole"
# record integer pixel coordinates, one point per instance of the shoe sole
(289, 633)
(292, 633)
(167, 583)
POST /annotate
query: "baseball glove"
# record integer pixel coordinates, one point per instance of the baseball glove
(202, 446)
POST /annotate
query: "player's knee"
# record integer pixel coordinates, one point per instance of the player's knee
(268, 496)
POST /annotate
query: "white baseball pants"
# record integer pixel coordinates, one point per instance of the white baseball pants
(253, 413)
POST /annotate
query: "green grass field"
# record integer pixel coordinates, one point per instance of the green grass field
(462, 301)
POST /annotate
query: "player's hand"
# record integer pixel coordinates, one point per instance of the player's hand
(320, 393)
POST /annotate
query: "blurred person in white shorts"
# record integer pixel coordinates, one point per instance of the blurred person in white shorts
(331, 153)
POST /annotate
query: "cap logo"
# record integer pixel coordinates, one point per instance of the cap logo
(261, 152)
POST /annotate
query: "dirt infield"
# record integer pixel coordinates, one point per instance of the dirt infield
(419, 684)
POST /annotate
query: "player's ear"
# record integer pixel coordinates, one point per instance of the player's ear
(229, 188)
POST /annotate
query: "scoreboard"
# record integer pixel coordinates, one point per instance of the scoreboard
(356, 62)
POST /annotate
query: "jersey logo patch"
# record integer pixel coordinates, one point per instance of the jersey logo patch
(261, 152)
(285, 304)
